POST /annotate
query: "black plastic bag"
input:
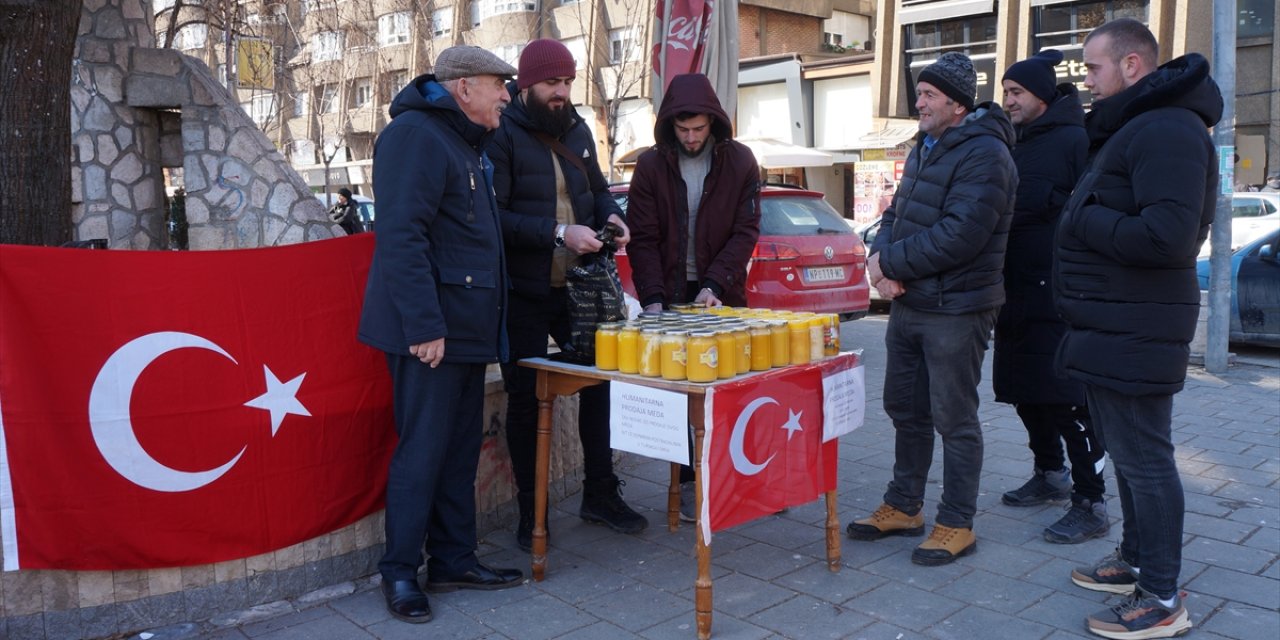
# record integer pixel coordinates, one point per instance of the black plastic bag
(595, 296)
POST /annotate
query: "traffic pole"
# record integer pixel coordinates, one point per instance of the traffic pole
(1224, 136)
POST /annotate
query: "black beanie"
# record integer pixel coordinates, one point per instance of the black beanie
(1036, 75)
(952, 73)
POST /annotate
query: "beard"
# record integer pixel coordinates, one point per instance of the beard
(553, 121)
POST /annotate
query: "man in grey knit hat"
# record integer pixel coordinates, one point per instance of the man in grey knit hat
(940, 256)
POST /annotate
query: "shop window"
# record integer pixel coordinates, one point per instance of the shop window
(974, 36)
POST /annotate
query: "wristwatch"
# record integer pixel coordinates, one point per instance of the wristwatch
(560, 234)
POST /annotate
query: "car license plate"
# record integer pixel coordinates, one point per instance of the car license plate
(824, 274)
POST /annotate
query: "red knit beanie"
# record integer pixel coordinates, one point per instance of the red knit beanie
(542, 60)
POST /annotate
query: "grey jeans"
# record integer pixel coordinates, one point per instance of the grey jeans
(931, 384)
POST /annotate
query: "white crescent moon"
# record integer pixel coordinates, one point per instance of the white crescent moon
(112, 425)
(740, 461)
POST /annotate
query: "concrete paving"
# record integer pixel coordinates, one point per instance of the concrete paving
(770, 578)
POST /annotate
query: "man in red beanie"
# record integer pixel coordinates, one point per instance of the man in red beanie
(552, 198)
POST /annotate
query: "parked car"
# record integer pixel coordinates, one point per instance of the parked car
(364, 205)
(1253, 215)
(1255, 290)
(867, 231)
(807, 257)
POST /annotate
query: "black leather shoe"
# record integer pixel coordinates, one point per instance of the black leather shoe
(481, 577)
(406, 601)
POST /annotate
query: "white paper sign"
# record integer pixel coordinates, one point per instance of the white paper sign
(844, 402)
(651, 422)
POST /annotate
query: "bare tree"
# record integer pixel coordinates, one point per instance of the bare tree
(616, 38)
(35, 120)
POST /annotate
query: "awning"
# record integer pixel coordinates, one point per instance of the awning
(774, 154)
(936, 10)
(630, 157)
(887, 133)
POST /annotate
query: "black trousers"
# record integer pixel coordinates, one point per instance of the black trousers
(1048, 426)
(529, 321)
(432, 476)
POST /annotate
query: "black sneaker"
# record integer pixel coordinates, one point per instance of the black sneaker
(688, 502)
(1084, 520)
(1141, 616)
(1111, 574)
(602, 504)
(1044, 486)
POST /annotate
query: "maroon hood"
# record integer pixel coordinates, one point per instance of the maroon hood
(690, 93)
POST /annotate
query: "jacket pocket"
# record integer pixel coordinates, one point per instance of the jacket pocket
(469, 301)
(1079, 283)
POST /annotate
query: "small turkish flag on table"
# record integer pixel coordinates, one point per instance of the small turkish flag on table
(763, 448)
(176, 408)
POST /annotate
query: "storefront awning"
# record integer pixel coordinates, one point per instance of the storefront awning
(887, 133)
(775, 154)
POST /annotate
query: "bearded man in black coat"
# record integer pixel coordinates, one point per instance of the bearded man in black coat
(1125, 274)
(1050, 153)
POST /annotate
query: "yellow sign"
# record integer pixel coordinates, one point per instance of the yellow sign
(255, 65)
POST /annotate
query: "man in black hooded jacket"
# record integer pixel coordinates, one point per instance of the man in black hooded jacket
(1125, 274)
(1050, 153)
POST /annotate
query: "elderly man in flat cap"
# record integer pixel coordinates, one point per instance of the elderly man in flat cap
(435, 303)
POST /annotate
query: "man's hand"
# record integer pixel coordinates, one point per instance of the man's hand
(623, 239)
(707, 298)
(653, 308)
(429, 352)
(874, 274)
(581, 239)
(890, 289)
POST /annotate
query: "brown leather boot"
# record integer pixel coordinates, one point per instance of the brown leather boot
(886, 521)
(944, 545)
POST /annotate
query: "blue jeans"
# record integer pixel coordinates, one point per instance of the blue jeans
(1135, 432)
(931, 383)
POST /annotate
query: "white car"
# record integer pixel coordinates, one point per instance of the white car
(1253, 214)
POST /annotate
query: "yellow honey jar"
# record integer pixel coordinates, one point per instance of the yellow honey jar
(703, 356)
(761, 346)
(673, 353)
(650, 352)
(607, 346)
(742, 353)
(726, 353)
(798, 328)
(779, 343)
(629, 349)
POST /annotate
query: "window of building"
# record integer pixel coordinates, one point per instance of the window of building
(393, 28)
(974, 36)
(1064, 26)
(326, 45)
(362, 92)
(394, 81)
(1256, 18)
(490, 8)
(578, 48)
(1067, 24)
(301, 104)
(442, 22)
(191, 36)
(261, 108)
(624, 45)
(510, 53)
(329, 98)
(302, 152)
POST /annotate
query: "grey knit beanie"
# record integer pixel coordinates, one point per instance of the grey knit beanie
(953, 74)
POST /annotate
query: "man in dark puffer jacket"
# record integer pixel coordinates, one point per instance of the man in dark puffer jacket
(551, 207)
(1051, 153)
(939, 256)
(1125, 276)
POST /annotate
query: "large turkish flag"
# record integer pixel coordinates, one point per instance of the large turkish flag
(175, 408)
(763, 448)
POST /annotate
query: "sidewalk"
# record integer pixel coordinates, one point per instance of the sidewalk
(770, 579)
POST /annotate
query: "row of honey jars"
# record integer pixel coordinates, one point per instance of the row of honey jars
(704, 352)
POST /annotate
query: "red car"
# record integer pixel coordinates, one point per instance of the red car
(807, 258)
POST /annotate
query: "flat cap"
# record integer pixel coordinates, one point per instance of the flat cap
(464, 61)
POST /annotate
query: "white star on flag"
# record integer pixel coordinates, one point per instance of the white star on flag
(792, 424)
(280, 399)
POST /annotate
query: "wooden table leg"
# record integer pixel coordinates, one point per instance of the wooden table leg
(701, 585)
(673, 499)
(833, 533)
(541, 470)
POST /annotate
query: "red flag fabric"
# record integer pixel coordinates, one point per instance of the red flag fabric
(175, 408)
(681, 38)
(763, 449)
